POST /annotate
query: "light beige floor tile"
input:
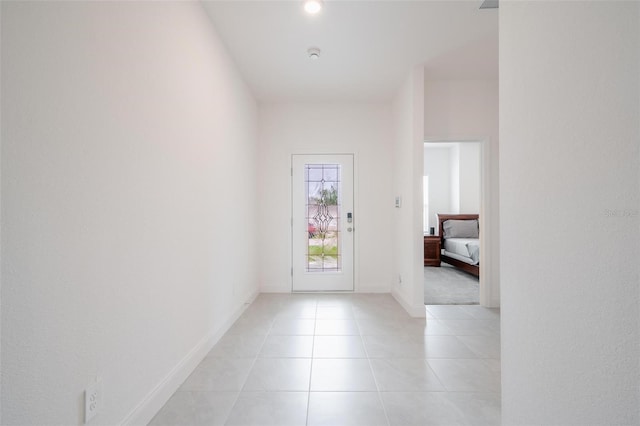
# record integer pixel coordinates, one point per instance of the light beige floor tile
(483, 346)
(261, 311)
(404, 374)
(480, 312)
(478, 409)
(466, 375)
(413, 326)
(334, 312)
(391, 346)
(338, 347)
(380, 312)
(196, 408)
(448, 312)
(345, 409)
(342, 375)
(287, 347)
(437, 328)
(377, 326)
(421, 409)
(446, 347)
(219, 374)
(473, 327)
(279, 374)
(418, 346)
(269, 408)
(270, 348)
(335, 299)
(265, 310)
(298, 310)
(253, 325)
(337, 327)
(237, 346)
(293, 327)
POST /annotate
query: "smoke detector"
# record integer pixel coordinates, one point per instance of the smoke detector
(314, 53)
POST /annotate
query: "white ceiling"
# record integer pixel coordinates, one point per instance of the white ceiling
(368, 47)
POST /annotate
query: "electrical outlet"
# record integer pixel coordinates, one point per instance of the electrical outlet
(91, 401)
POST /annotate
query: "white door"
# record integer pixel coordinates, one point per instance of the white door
(322, 222)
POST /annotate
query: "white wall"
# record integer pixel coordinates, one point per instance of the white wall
(454, 178)
(1, 210)
(469, 177)
(464, 110)
(454, 170)
(569, 164)
(128, 225)
(437, 165)
(408, 168)
(360, 128)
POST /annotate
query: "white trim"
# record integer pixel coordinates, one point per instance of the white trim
(415, 311)
(158, 396)
(486, 273)
(355, 288)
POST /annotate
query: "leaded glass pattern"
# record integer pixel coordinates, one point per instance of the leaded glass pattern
(322, 185)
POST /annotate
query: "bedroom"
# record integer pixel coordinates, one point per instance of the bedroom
(452, 191)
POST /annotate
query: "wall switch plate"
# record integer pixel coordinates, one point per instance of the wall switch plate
(91, 401)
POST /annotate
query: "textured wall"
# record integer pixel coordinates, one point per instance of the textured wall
(332, 128)
(128, 151)
(408, 169)
(467, 110)
(569, 190)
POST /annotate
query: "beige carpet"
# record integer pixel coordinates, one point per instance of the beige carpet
(447, 285)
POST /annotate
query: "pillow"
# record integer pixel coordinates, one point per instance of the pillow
(460, 228)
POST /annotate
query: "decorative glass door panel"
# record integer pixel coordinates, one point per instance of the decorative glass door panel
(323, 209)
(322, 222)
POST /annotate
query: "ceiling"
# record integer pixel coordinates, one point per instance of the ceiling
(367, 47)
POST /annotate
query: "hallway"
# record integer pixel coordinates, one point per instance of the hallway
(352, 359)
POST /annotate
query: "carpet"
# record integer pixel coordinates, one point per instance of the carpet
(446, 285)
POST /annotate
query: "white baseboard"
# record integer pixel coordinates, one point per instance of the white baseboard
(155, 400)
(414, 311)
(275, 289)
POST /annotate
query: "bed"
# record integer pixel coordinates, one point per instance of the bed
(459, 238)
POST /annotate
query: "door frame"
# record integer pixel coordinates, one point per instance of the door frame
(485, 290)
(356, 263)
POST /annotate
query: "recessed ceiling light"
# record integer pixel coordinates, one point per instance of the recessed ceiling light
(314, 53)
(313, 6)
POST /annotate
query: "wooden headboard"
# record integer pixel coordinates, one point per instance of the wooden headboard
(443, 217)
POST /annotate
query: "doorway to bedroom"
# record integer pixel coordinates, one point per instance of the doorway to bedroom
(452, 200)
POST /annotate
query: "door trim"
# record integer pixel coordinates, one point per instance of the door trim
(486, 273)
(355, 269)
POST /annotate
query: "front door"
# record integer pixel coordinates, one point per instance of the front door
(322, 222)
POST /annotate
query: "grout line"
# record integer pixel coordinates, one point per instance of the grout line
(379, 392)
(373, 374)
(255, 359)
(313, 342)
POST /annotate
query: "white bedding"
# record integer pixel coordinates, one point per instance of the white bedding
(464, 249)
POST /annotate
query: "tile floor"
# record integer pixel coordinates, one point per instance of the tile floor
(353, 359)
